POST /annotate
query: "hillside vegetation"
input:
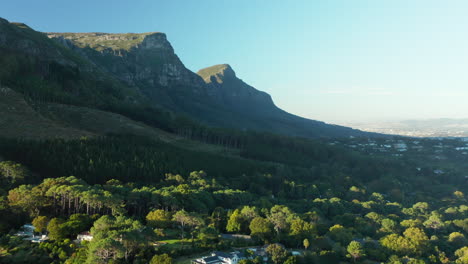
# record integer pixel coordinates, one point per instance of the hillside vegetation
(19, 119)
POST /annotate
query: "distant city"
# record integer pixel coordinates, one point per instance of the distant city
(443, 127)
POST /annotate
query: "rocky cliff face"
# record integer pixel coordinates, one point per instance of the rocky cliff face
(146, 59)
(145, 62)
(224, 86)
(215, 95)
(107, 70)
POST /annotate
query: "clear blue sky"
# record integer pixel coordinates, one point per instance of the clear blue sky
(331, 60)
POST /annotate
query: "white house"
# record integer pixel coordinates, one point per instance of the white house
(218, 257)
(39, 239)
(84, 236)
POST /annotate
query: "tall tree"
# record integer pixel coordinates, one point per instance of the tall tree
(55, 229)
(277, 253)
(306, 243)
(187, 220)
(161, 259)
(159, 218)
(261, 228)
(280, 216)
(103, 250)
(301, 229)
(462, 255)
(355, 250)
(40, 223)
(235, 222)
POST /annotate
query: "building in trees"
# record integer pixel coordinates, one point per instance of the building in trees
(84, 236)
(221, 258)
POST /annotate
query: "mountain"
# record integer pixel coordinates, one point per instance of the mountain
(224, 86)
(241, 98)
(141, 77)
(45, 70)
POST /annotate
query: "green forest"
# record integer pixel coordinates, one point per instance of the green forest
(146, 201)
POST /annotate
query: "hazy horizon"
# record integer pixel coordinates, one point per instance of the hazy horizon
(334, 61)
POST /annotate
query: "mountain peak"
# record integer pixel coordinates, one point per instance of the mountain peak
(3, 21)
(217, 73)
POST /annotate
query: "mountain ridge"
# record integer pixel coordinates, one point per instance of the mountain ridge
(143, 68)
(115, 41)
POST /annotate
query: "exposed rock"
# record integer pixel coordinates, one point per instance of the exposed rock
(146, 59)
(224, 85)
(143, 68)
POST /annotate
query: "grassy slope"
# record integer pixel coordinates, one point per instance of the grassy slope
(99, 122)
(102, 122)
(19, 119)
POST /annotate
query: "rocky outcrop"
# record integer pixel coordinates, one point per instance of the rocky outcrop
(108, 70)
(146, 60)
(224, 86)
(215, 95)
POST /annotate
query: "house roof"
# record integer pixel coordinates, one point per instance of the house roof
(213, 259)
(222, 254)
(218, 256)
(240, 254)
